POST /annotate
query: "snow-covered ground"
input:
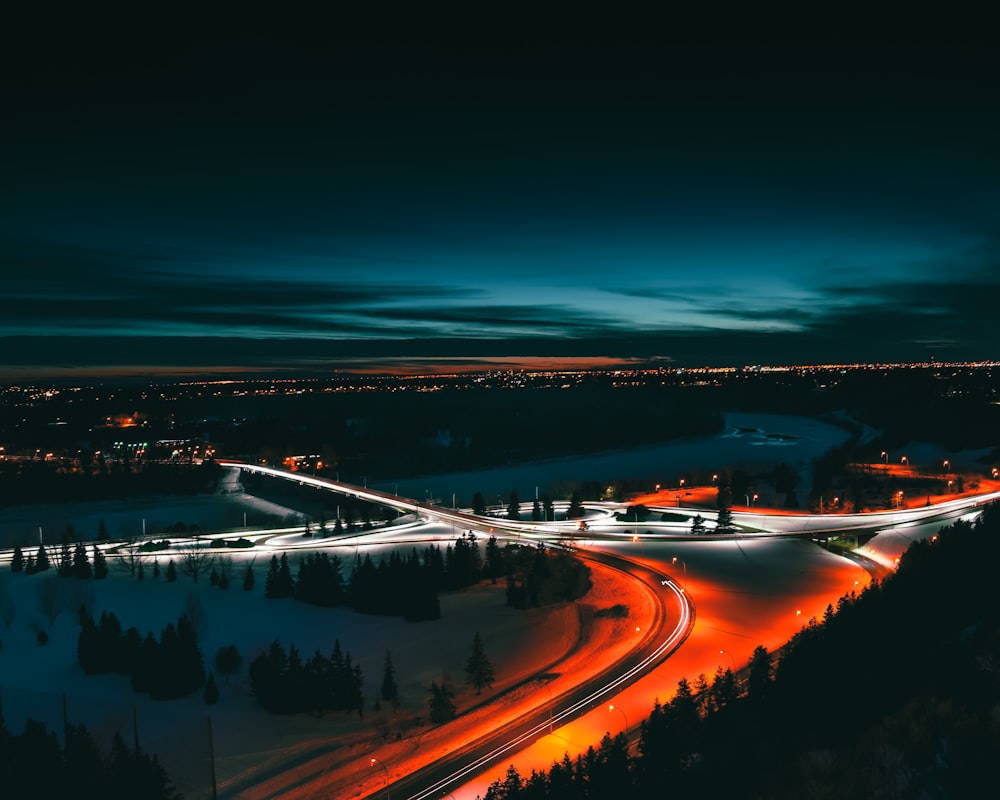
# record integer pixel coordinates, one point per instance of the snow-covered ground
(41, 681)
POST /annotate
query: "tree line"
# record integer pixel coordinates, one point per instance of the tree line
(927, 636)
(34, 764)
(283, 684)
(410, 585)
(167, 668)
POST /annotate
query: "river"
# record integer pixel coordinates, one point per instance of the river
(748, 439)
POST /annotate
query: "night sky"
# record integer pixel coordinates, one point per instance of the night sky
(180, 199)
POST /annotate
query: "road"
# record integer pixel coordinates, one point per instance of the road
(517, 736)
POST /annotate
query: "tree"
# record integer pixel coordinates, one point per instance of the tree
(698, 524)
(575, 510)
(228, 661)
(479, 670)
(478, 504)
(17, 561)
(248, 578)
(536, 511)
(211, 691)
(41, 559)
(196, 561)
(171, 571)
(724, 522)
(441, 706)
(100, 564)
(514, 506)
(390, 691)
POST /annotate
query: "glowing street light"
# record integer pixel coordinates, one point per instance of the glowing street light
(675, 559)
(947, 465)
(622, 712)
(386, 771)
(904, 460)
(885, 455)
(726, 652)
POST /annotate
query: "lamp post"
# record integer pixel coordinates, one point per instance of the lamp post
(674, 560)
(622, 712)
(726, 652)
(885, 455)
(386, 771)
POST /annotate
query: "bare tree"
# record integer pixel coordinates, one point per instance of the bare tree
(195, 560)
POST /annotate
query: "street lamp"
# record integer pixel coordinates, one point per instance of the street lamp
(885, 455)
(904, 460)
(386, 771)
(675, 559)
(947, 465)
(620, 711)
(726, 652)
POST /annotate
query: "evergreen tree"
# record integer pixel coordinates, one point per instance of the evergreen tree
(65, 569)
(156, 568)
(81, 563)
(100, 564)
(17, 561)
(41, 559)
(248, 579)
(575, 510)
(698, 524)
(724, 522)
(479, 670)
(549, 507)
(211, 695)
(228, 661)
(171, 571)
(514, 506)
(441, 706)
(494, 559)
(478, 504)
(390, 692)
(536, 511)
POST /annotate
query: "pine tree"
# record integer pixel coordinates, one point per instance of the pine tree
(478, 504)
(171, 571)
(724, 523)
(211, 695)
(514, 506)
(17, 562)
(41, 559)
(441, 708)
(81, 564)
(228, 661)
(698, 524)
(100, 564)
(479, 670)
(248, 579)
(390, 692)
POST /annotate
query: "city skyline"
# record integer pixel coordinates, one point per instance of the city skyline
(264, 201)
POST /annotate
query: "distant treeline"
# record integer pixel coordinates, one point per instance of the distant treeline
(35, 764)
(409, 585)
(25, 482)
(283, 684)
(893, 694)
(167, 668)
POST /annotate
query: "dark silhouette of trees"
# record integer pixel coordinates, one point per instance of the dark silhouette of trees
(228, 661)
(478, 504)
(17, 560)
(282, 684)
(211, 694)
(169, 668)
(479, 670)
(389, 691)
(538, 577)
(35, 765)
(514, 506)
(248, 579)
(441, 703)
(100, 564)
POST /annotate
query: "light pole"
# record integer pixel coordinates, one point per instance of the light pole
(726, 652)
(885, 455)
(386, 771)
(622, 712)
(675, 559)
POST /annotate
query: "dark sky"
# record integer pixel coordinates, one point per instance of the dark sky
(206, 196)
